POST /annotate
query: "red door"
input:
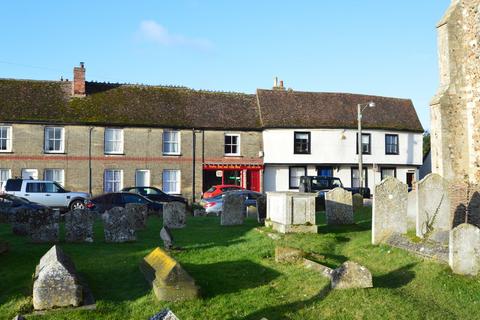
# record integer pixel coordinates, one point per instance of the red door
(253, 180)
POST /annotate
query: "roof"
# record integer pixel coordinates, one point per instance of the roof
(180, 107)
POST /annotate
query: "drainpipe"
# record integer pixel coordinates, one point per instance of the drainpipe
(194, 140)
(90, 160)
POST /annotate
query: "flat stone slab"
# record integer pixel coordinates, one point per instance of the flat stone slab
(288, 255)
(169, 280)
(79, 225)
(351, 275)
(320, 268)
(430, 250)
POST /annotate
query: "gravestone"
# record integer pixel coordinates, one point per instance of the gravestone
(389, 213)
(357, 200)
(261, 208)
(140, 214)
(174, 214)
(119, 225)
(169, 280)
(291, 212)
(464, 249)
(286, 254)
(338, 207)
(167, 238)
(19, 220)
(233, 209)
(43, 226)
(433, 208)
(351, 275)
(79, 225)
(165, 314)
(412, 208)
(56, 282)
(199, 212)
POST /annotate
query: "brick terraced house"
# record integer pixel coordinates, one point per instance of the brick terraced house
(100, 137)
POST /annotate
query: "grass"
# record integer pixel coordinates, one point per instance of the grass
(239, 279)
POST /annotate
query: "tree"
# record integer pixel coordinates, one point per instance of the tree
(426, 143)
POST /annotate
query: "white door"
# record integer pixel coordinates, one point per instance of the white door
(142, 178)
(30, 174)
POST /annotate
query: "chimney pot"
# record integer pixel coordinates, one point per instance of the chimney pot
(281, 83)
(82, 64)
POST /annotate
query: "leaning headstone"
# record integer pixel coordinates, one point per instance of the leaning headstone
(357, 200)
(261, 208)
(165, 314)
(140, 214)
(464, 249)
(433, 208)
(233, 209)
(56, 282)
(19, 220)
(119, 225)
(351, 275)
(44, 226)
(167, 238)
(79, 225)
(174, 214)
(169, 280)
(389, 213)
(338, 207)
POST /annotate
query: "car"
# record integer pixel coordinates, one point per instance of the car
(10, 203)
(47, 193)
(214, 205)
(107, 201)
(219, 189)
(323, 184)
(154, 194)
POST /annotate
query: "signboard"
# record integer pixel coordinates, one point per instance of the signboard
(219, 173)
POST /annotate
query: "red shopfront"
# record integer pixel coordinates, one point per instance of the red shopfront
(245, 176)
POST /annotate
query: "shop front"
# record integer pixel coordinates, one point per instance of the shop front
(245, 176)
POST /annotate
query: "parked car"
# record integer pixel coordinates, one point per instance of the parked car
(214, 205)
(47, 193)
(107, 201)
(219, 189)
(154, 194)
(9, 202)
(323, 184)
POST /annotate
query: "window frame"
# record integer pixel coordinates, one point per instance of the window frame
(290, 176)
(369, 135)
(365, 169)
(3, 183)
(122, 136)
(9, 138)
(112, 181)
(62, 182)
(387, 168)
(309, 142)
(178, 142)
(238, 144)
(147, 171)
(46, 139)
(178, 183)
(386, 145)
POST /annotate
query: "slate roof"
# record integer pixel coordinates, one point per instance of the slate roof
(178, 107)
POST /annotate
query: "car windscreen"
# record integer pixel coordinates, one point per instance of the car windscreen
(133, 198)
(319, 184)
(336, 183)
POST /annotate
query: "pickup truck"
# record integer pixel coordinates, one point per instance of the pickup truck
(323, 184)
(48, 193)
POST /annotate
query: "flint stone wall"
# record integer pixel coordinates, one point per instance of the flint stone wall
(389, 213)
(43, 226)
(140, 214)
(119, 225)
(464, 249)
(79, 225)
(233, 210)
(339, 207)
(174, 214)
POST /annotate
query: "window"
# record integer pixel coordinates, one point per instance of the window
(52, 187)
(142, 178)
(133, 198)
(232, 144)
(294, 176)
(56, 175)
(391, 144)
(36, 187)
(356, 178)
(54, 140)
(301, 143)
(388, 172)
(113, 180)
(366, 143)
(5, 139)
(171, 181)
(5, 174)
(171, 142)
(29, 174)
(113, 141)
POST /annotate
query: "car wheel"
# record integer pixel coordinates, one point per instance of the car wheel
(77, 204)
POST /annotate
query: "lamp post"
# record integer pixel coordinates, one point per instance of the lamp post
(360, 108)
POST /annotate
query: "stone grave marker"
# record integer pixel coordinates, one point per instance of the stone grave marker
(261, 208)
(119, 225)
(233, 209)
(338, 207)
(174, 214)
(464, 249)
(351, 275)
(19, 220)
(165, 314)
(412, 208)
(389, 213)
(357, 200)
(169, 280)
(167, 238)
(140, 214)
(43, 226)
(79, 225)
(286, 254)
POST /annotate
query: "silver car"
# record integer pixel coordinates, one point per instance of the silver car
(214, 206)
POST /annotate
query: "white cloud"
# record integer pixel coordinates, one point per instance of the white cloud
(151, 31)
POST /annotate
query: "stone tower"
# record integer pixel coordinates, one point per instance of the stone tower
(455, 109)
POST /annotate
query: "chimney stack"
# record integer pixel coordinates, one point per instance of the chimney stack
(79, 81)
(278, 85)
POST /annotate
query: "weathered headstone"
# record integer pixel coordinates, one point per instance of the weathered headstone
(338, 207)
(389, 213)
(233, 210)
(140, 214)
(286, 254)
(199, 212)
(174, 214)
(433, 208)
(19, 220)
(44, 226)
(165, 314)
(119, 225)
(79, 225)
(412, 208)
(291, 212)
(351, 275)
(261, 208)
(357, 200)
(56, 282)
(167, 238)
(464, 249)
(169, 280)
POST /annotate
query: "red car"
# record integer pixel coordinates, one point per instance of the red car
(219, 189)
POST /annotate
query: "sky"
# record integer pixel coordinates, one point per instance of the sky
(378, 47)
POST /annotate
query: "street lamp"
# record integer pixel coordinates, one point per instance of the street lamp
(360, 108)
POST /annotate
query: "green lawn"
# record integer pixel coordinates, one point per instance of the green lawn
(239, 279)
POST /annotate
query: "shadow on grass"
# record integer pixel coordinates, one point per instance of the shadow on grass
(230, 276)
(396, 278)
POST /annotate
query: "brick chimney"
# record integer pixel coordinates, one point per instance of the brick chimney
(79, 81)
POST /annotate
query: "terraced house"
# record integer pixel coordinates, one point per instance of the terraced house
(100, 137)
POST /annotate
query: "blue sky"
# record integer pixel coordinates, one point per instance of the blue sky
(379, 47)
